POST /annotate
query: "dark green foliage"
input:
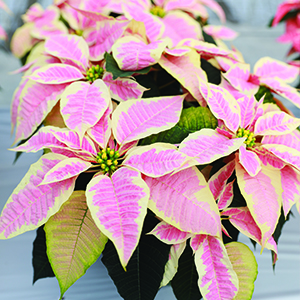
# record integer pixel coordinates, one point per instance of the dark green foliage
(145, 270)
(213, 74)
(82, 180)
(148, 82)
(208, 38)
(278, 229)
(191, 120)
(40, 262)
(232, 231)
(238, 199)
(185, 281)
(264, 91)
(159, 82)
(112, 67)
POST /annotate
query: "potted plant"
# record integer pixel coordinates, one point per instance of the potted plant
(159, 147)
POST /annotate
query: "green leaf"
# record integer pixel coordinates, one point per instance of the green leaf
(245, 266)
(40, 262)
(192, 119)
(208, 38)
(278, 229)
(185, 281)
(159, 82)
(74, 242)
(264, 91)
(213, 74)
(145, 269)
(112, 67)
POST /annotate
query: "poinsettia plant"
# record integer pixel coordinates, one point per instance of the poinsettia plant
(159, 147)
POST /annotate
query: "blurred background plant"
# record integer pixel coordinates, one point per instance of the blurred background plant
(254, 12)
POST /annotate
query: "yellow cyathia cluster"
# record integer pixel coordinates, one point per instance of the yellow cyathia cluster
(93, 73)
(158, 11)
(108, 160)
(250, 141)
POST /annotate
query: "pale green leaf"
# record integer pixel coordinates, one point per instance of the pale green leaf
(74, 242)
(245, 266)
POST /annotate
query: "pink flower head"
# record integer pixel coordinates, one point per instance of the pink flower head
(73, 78)
(284, 8)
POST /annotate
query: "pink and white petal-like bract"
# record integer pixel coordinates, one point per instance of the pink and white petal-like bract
(66, 169)
(31, 205)
(217, 279)
(56, 74)
(263, 194)
(133, 120)
(156, 159)
(207, 145)
(181, 198)
(123, 89)
(83, 104)
(169, 234)
(223, 106)
(70, 48)
(249, 160)
(131, 53)
(218, 181)
(118, 205)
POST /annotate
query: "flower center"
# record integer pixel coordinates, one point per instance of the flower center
(250, 139)
(93, 73)
(108, 160)
(79, 32)
(157, 11)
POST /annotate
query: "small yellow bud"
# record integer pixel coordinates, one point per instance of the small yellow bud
(115, 162)
(104, 156)
(103, 166)
(111, 153)
(109, 162)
